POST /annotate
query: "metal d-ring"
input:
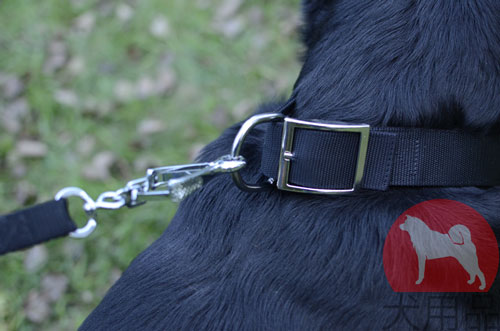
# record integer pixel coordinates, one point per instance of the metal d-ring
(238, 143)
(90, 208)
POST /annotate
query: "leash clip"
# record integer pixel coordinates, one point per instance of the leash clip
(176, 182)
(181, 180)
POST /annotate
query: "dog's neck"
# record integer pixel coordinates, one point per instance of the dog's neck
(413, 69)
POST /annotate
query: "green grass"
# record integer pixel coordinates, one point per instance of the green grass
(214, 76)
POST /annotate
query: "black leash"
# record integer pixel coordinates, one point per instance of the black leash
(300, 156)
(35, 225)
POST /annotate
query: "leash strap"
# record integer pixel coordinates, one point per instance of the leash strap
(34, 225)
(323, 159)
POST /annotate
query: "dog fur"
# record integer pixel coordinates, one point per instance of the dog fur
(274, 260)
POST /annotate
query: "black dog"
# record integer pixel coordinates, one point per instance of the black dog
(282, 261)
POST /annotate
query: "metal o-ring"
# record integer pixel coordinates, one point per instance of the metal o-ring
(89, 207)
(238, 143)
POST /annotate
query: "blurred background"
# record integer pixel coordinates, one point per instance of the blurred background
(92, 93)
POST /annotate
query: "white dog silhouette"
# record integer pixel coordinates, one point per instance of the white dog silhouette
(431, 245)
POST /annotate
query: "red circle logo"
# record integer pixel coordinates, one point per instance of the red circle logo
(441, 246)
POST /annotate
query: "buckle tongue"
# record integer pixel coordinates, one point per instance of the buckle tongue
(286, 153)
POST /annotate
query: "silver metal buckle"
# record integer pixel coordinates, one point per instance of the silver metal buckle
(286, 154)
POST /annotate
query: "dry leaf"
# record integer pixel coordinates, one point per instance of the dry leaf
(31, 149)
(86, 145)
(76, 65)
(145, 87)
(73, 249)
(56, 58)
(227, 9)
(25, 193)
(12, 86)
(99, 168)
(85, 22)
(124, 90)
(37, 308)
(35, 258)
(12, 115)
(150, 126)
(87, 296)
(66, 98)
(124, 12)
(165, 81)
(230, 28)
(159, 27)
(54, 286)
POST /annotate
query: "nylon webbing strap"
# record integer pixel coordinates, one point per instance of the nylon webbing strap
(395, 157)
(34, 225)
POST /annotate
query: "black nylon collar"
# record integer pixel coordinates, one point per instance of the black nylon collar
(396, 156)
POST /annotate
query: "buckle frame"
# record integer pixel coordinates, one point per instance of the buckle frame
(286, 153)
